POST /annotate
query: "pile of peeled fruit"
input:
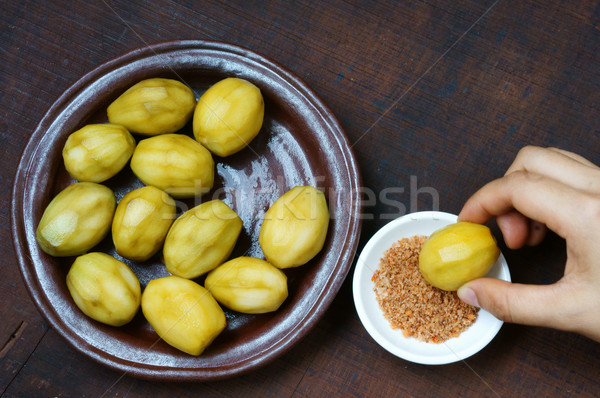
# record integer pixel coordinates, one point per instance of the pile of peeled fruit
(196, 244)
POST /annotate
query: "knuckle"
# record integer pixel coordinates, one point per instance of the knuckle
(527, 151)
(501, 309)
(591, 206)
(524, 176)
(517, 176)
(507, 313)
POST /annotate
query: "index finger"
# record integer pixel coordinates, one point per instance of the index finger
(565, 167)
(535, 196)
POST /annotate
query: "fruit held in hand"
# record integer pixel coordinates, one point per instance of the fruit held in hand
(228, 116)
(142, 220)
(153, 106)
(201, 239)
(249, 285)
(104, 288)
(183, 313)
(174, 163)
(457, 254)
(76, 220)
(97, 152)
(295, 227)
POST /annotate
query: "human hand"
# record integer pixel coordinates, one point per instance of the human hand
(544, 187)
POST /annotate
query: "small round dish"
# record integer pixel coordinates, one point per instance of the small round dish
(301, 143)
(455, 349)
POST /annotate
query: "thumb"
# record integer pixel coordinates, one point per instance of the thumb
(512, 302)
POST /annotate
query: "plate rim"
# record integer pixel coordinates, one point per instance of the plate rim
(282, 345)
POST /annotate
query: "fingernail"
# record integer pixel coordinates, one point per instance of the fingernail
(468, 296)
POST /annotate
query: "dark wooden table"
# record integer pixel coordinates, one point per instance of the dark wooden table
(433, 95)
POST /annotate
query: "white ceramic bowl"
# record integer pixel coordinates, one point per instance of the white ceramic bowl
(455, 349)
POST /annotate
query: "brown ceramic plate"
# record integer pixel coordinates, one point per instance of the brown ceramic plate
(301, 143)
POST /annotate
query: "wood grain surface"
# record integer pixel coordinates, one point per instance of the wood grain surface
(433, 95)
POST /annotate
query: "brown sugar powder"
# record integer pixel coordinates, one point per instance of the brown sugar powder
(411, 304)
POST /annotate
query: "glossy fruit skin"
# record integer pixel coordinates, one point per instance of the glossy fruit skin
(295, 227)
(183, 313)
(104, 288)
(457, 254)
(76, 220)
(175, 163)
(228, 116)
(249, 285)
(153, 106)
(141, 222)
(201, 239)
(97, 152)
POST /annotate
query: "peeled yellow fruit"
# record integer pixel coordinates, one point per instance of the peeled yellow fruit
(201, 239)
(228, 116)
(174, 163)
(97, 152)
(76, 220)
(141, 222)
(295, 227)
(457, 254)
(183, 313)
(249, 285)
(153, 106)
(104, 288)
